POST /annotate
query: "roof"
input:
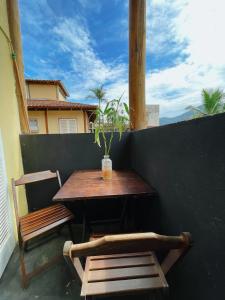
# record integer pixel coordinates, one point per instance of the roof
(53, 82)
(37, 104)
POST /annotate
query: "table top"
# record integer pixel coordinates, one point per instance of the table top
(88, 184)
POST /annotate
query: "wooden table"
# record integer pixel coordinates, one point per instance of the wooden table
(88, 184)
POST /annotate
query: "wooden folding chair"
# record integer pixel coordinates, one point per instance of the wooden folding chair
(39, 222)
(125, 263)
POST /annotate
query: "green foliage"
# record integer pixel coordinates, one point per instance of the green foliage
(213, 103)
(98, 93)
(113, 117)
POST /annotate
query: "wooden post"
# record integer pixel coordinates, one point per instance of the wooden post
(137, 58)
(85, 121)
(16, 45)
(46, 121)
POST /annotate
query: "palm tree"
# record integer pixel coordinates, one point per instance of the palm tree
(213, 103)
(98, 93)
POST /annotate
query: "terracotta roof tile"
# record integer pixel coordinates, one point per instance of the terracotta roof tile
(37, 104)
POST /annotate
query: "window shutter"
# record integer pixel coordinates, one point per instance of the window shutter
(62, 126)
(72, 126)
(7, 241)
(3, 202)
(68, 126)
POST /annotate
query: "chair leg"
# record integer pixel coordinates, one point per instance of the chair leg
(71, 232)
(23, 267)
(123, 216)
(86, 227)
(26, 247)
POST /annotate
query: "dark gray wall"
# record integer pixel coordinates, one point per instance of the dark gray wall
(66, 153)
(185, 162)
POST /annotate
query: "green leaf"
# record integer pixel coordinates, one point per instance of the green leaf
(126, 108)
(212, 102)
(114, 117)
(97, 137)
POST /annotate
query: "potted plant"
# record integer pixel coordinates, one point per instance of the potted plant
(113, 117)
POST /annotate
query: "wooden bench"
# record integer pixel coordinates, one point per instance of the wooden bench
(125, 263)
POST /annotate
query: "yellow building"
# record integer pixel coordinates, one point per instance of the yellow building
(50, 112)
(13, 121)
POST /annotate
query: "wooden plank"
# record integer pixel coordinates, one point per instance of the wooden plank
(32, 217)
(120, 255)
(121, 286)
(45, 229)
(85, 275)
(122, 273)
(44, 220)
(128, 243)
(161, 275)
(40, 212)
(43, 223)
(170, 259)
(15, 202)
(74, 264)
(29, 218)
(175, 255)
(121, 262)
(34, 177)
(90, 185)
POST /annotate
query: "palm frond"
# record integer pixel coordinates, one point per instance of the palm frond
(212, 100)
(97, 93)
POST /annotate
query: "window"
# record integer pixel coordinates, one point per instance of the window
(33, 125)
(67, 125)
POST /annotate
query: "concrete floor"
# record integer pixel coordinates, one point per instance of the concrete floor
(55, 283)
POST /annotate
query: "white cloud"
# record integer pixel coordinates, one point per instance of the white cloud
(161, 25)
(191, 27)
(197, 27)
(194, 28)
(202, 24)
(89, 70)
(180, 86)
(84, 68)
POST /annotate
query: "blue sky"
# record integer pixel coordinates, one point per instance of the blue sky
(85, 44)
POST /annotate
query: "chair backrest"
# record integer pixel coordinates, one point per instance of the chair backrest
(176, 246)
(30, 178)
(125, 243)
